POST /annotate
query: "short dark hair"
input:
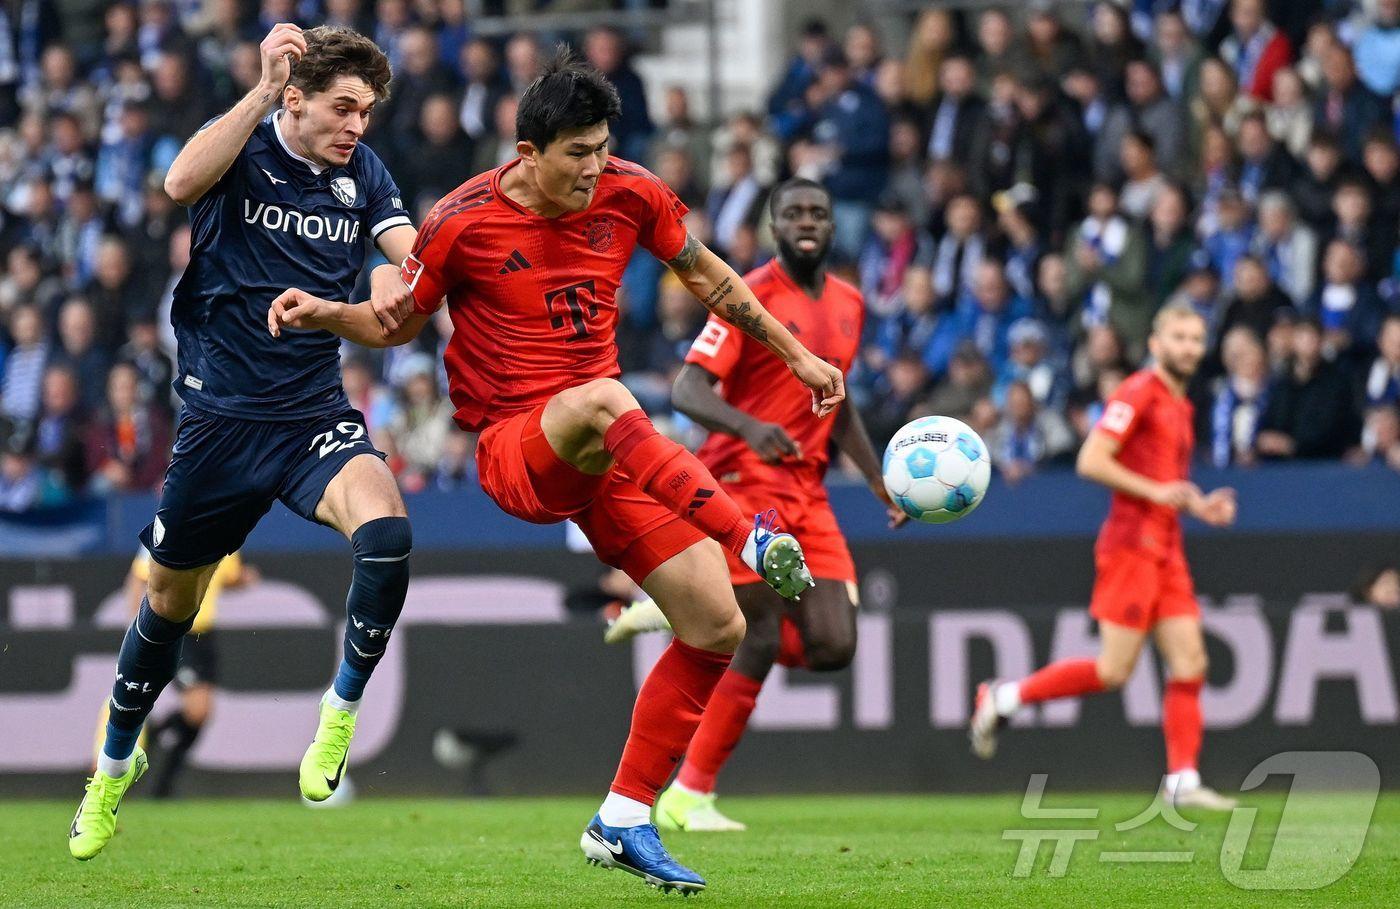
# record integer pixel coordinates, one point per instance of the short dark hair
(332, 52)
(568, 94)
(791, 184)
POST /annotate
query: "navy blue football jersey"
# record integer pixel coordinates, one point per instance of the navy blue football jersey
(270, 223)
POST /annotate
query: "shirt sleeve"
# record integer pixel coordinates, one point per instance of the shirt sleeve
(385, 208)
(662, 228)
(1123, 413)
(717, 348)
(432, 269)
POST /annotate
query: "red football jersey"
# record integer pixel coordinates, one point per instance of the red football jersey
(758, 383)
(533, 299)
(1154, 429)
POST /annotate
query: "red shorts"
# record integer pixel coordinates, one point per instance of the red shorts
(1138, 590)
(627, 528)
(803, 511)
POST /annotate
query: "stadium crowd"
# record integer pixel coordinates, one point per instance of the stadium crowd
(1015, 192)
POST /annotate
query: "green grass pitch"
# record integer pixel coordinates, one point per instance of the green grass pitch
(810, 851)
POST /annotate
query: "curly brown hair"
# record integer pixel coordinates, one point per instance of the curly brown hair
(333, 52)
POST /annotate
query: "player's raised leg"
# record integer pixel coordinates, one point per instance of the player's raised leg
(363, 503)
(146, 663)
(1119, 647)
(690, 589)
(1182, 645)
(594, 425)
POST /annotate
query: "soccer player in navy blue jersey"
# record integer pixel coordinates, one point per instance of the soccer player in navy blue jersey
(281, 194)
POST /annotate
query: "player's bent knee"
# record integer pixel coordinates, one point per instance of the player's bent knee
(604, 400)
(386, 541)
(829, 656)
(761, 644)
(1113, 675)
(724, 636)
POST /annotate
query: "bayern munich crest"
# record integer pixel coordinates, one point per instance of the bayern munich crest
(600, 233)
(344, 190)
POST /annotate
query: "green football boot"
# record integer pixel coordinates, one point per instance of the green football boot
(96, 819)
(323, 766)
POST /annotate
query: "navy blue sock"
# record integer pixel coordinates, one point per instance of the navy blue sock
(149, 656)
(376, 598)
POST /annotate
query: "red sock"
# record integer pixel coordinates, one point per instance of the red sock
(791, 652)
(669, 707)
(726, 717)
(676, 478)
(1182, 723)
(1065, 679)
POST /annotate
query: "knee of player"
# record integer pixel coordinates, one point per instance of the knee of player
(174, 604)
(1190, 666)
(605, 399)
(1113, 675)
(761, 643)
(829, 656)
(383, 541)
(726, 635)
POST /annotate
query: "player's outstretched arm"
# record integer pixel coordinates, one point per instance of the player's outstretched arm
(295, 308)
(210, 152)
(852, 438)
(725, 294)
(694, 395)
(1098, 461)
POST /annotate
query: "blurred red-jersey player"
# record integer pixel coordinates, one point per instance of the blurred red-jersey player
(530, 257)
(1141, 450)
(768, 449)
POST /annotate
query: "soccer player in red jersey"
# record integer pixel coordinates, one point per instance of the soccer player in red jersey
(767, 448)
(1140, 449)
(529, 257)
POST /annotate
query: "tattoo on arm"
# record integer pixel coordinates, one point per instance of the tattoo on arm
(690, 254)
(722, 290)
(741, 316)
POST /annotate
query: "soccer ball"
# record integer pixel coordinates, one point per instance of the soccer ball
(937, 469)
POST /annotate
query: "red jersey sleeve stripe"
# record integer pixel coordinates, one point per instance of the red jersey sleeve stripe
(426, 235)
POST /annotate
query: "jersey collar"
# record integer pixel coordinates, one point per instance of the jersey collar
(315, 168)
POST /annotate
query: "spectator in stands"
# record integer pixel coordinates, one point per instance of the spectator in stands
(24, 281)
(897, 391)
(1346, 108)
(421, 422)
(1171, 244)
(484, 87)
(1311, 413)
(984, 315)
(1377, 49)
(906, 180)
(1254, 299)
(499, 147)
(1112, 45)
(128, 444)
(524, 60)
(969, 381)
(1287, 249)
(1106, 259)
(80, 235)
(66, 161)
(78, 350)
(23, 485)
(1232, 235)
(456, 469)
(910, 322)
(1149, 110)
(862, 48)
(1082, 86)
(1324, 170)
(1086, 405)
(1290, 115)
(29, 354)
(1031, 361)
(737, 201)
(1021, 245)
(1028, 435)
(1201, 290)
(1383, 378)
(992, 164)
(1102, 350)
(955, 111)
(154, 367)
(998, 51)
(930, 43)
(1381, 161)
(679, 129)
(1051, 49)
(418, 75)
(180, 109)
(60, 90)
(1346, 304)
(1220, 102)
(606, 49)
(1255, 49)
(1263, 163)
(114, 292)
(1380, 437)
(1355, 223)
(851, 128)
(787, 104)
(895, 244)
(1143, 179)
(960, 250)
(442, 158)
(1237, 400)
(1176, 55)
(60, 429)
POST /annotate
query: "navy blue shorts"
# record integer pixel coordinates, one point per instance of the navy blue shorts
(225, 473)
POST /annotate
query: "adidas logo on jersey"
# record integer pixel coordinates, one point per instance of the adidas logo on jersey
(515, 262)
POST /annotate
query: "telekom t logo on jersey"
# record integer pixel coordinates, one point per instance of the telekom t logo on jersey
(572, 304)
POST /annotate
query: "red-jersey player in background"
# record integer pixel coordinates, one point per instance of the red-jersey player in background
(767, 448)
(1140, 449)
(529, 257)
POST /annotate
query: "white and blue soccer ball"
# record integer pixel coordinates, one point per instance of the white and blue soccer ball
(937, 469)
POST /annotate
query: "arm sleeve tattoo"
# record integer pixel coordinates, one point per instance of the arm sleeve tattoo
(690, 254)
